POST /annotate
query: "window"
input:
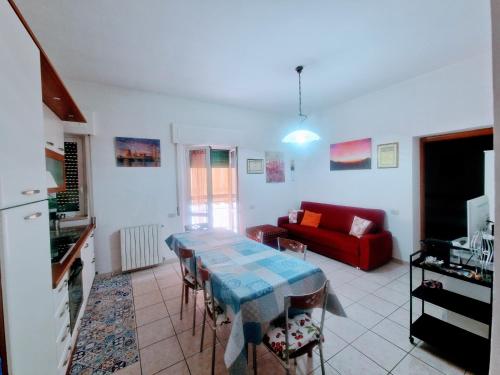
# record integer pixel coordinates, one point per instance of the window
(73, 201)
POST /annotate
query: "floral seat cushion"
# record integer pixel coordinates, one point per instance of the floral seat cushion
(301, 331)
(222, 317)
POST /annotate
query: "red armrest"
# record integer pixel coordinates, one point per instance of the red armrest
(375, 250)
(282, 220)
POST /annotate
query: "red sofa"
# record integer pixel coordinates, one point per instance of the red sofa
(332, 237)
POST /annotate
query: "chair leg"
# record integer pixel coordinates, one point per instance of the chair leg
(255, 359)
(322, 359)
(194, 313)
(186, 293)
(182, 298)
(203, 329)
(213, 350)
(310, 353)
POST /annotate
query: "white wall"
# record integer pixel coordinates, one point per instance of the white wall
(453, 98)
(135, 196)
(495, 339)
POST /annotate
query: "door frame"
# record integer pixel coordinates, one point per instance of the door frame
(439, 138)
(187, 178)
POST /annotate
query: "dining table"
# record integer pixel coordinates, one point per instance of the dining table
(249, 281)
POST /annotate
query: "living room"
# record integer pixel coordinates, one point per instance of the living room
(217, 91)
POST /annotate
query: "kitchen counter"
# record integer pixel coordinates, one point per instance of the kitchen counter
(71, 238)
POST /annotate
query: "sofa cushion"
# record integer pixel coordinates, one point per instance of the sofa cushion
(339, 218)
(360, 227)
(327, 238)
(311, 219)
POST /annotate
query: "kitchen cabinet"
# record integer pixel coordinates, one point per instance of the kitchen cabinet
(22, 171)
(27, 289)
(88, 259)
(53, 131)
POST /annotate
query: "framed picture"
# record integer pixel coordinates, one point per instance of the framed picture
(137, 152)
(275, 167)
(255, 166)
(351, 155)
(388, 155)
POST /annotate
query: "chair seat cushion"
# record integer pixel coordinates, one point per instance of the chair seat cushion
(221, 314)
(301, 332)
(189, 279)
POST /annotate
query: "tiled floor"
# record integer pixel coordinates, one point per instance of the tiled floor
(373, 339)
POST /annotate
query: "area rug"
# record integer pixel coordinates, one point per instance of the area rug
(107, 339)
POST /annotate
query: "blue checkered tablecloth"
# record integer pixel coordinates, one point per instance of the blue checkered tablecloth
(250, 280)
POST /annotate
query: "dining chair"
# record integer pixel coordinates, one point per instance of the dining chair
(295, 336)
(257, 236)
(195, 227)
(214, 311)
(292, 245)
(189, 281)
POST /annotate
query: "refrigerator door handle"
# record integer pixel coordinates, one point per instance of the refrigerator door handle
(31, 192)
(36, 215)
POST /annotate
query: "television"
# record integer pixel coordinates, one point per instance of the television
(478, 214)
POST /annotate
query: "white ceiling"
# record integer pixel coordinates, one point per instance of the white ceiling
(243, 53)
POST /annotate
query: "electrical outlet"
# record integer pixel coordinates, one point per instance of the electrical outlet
(172, 215)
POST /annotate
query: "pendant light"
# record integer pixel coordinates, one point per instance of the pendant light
(301, 135)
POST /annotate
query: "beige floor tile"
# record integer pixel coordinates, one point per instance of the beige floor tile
(180, 368)
(187, 321)
(351, 362)
(200, 363)
(160, 355)
(173, 292)
(171, 281)
(153, 332)
(395, 333)
(174, 305)
(392, 296)
(148, 299)
(402, 317)
(150, 314)
(363, 315)
(350, 291)
(346, 328)
(365, 285)
(381, 351)
(332, 344)
(134, 369)
(414, 366)
(191, 344)
(145, 287)
(379, 305)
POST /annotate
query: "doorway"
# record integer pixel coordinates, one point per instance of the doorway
(212, 196)
(452, 171)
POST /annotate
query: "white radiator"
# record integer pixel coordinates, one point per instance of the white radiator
(140, 246)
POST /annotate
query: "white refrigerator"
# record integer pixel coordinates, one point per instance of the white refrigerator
(25, 262)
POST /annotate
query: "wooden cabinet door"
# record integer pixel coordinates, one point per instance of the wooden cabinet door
(22, 153)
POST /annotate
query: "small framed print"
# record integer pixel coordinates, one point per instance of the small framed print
(388, 155)
(255, 166)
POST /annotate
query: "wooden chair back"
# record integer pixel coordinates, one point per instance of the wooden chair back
(309, 301)
(184, 255)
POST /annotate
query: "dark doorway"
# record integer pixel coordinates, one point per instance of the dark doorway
(452, 172)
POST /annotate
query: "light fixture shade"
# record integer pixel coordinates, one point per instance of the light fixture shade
(300, 137)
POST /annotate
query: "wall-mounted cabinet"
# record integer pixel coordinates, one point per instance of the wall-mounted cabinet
(54, 93)
(53, 131)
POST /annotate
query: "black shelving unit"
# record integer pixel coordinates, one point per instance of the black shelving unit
(465, 348)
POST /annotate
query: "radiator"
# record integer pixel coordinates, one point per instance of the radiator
(140, 246)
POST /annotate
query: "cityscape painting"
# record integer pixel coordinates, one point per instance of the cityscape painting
(351, 155)
(137, 152)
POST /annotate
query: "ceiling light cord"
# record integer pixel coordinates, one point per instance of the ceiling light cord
(299, 71)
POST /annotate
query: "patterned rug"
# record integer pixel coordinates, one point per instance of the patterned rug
(107, 339)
